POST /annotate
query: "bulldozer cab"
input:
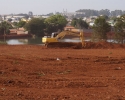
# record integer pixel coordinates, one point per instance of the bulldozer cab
(54, 34)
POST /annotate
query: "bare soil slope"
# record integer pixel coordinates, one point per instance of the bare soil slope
(34, 72)
(87, 45)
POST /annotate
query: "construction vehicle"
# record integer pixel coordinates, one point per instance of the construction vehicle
(55, 37)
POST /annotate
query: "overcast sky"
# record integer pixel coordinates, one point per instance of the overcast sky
(39, 7)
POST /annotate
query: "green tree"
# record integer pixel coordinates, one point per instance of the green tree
(74, 22)
(4, 28)
(35, 26)
(119, 30)
(15, 24)
(106, 17)
(100, 29)
(55, 23)
(21, 24)
(79, 23)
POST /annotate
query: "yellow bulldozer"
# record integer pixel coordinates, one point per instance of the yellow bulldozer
(55, 37)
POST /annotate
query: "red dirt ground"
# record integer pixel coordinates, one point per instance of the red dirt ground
(34, 72)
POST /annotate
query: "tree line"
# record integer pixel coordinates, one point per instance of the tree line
(42, 26)
(101, 27)
(37, 26)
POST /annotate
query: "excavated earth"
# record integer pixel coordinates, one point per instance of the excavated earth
(62, 71)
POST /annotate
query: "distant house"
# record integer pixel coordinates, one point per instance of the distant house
(21, 31)
(39, 16)
(24, 19)
(18, 31)
(91, 23)
(13, 31)
(45, 16)
(111, 22)
(13, 18)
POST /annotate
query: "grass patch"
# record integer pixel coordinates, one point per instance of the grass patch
(3, 42)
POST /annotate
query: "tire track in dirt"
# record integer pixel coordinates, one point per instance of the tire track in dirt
(64, 83)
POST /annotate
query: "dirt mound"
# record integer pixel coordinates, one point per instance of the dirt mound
(88, 45)
(64, 45)
(103, 45)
